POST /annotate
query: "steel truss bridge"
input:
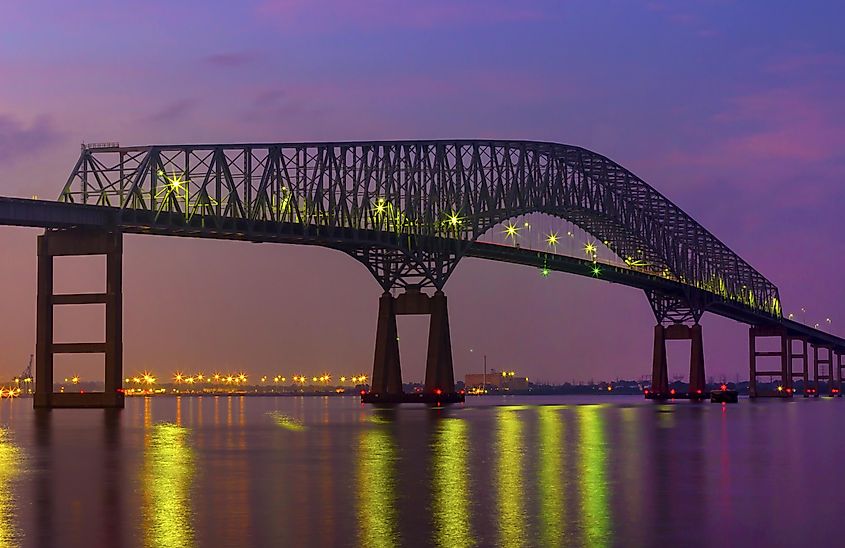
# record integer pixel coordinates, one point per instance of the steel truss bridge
(410, 211)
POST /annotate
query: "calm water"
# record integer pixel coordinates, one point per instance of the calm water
(560, 471)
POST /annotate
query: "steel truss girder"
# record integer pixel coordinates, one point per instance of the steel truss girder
(676, 308)
(422, 191)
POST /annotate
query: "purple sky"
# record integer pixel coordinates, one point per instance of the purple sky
(731, 109)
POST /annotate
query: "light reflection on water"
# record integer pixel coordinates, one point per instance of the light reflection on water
(552, 460)
(451, 484)
(11, 468)
(593, 477)
(510, 476)
(377, 523)
(330, 472)
(168, 472)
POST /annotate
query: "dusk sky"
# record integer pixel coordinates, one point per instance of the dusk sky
(731, 109)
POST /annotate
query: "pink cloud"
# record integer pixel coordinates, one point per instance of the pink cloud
(18, 140)
(799, 62)
(797, 125)
(230, 59)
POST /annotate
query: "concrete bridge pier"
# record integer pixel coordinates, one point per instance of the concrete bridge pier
(79, 242)
(824, 370)
(439, 373)
(387, 372)
(785, 357)
(660, 374)
(386, 386)
(659, 367)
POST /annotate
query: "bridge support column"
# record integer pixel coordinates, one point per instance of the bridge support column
(58, 243)
(659, 371)
(839, 365)
(659, 367)
(784, 353)
(439, 374)
(387, 372)
(697, 381)
(823, 370)
(803, 372)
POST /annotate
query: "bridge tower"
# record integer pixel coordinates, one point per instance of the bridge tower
(677, 319)
(79, 242)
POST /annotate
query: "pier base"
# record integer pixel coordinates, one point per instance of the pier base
(78, 242)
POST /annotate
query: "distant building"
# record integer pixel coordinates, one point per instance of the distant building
(502, 380)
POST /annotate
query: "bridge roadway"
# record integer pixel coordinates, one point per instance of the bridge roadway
(49, 214)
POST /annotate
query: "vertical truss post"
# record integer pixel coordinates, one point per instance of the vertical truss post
(57, 243)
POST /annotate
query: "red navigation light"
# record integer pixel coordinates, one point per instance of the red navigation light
(672, 391)
(461, 392)
(438, 391)
(363, 392)
(645, 391)
(698, 391)
(723, 387)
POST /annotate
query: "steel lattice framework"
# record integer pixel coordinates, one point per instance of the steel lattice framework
(409, 210)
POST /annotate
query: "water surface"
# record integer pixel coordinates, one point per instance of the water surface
(499, 471)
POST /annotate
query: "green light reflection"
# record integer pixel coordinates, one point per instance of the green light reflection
(11, 459)
(509, 473)
(451, 496)
(377, 514)
(552, 459)
(168, 473)
(595, 509)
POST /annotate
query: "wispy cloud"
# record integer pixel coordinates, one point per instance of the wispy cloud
(18, 140)
(230, 59)
(175, 110)
(397, 13)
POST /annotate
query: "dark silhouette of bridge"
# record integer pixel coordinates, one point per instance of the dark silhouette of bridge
(409, 211)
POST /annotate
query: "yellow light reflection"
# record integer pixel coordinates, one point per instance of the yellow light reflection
(376, 489)
(552, 504)
(595, 508)
(451, 495)
(168, 473)
(10, 470)
(286, 422)
(509, 474)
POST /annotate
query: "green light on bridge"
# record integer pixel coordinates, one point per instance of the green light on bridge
(596, 271)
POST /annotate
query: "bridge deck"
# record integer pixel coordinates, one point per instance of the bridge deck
(48, 214)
